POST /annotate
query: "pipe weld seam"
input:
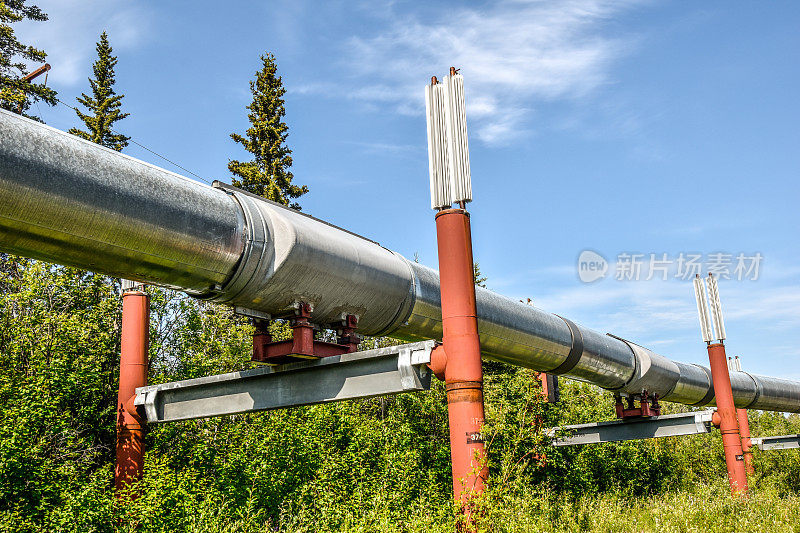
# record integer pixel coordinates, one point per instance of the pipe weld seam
(575, 351)
(650, 368)
(252, 255)
(472, 395)
(458, 385)
(758, 390)
(405, 310)
(710, 392)
(636, 363)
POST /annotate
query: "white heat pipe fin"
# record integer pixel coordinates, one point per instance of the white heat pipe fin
(716, 307)
(702, 309)
(438, 164)
(457, 146)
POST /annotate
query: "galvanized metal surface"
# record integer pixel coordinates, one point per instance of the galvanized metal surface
(780, 442)
(292, 257)
(343, 377)
(69, 201)
(619, 430)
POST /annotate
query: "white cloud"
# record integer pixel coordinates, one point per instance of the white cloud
(511, 52)
(387, 148)
(73, 28)
(761, 317)
(658, 304)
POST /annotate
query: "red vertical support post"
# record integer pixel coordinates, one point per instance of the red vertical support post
(463, 371)
(744, 431)
(729, 425)
(744, 428)
(132, 374)
(549, 383)
(542, 377)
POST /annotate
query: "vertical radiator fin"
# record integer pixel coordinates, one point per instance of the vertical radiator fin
(716, 307)
(458, 148)
(438, 164)
(702, 309)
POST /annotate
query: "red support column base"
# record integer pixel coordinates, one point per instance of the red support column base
(132, 374)
(129, 450)
(467, 445)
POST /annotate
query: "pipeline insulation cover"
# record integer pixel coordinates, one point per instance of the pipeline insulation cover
(69, 201)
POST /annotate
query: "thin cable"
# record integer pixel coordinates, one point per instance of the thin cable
(201, 178)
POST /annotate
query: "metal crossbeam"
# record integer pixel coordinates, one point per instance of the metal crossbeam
(646, 428)
(780, 442)
(355, 375)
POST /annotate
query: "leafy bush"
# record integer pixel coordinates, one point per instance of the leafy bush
(380, 464)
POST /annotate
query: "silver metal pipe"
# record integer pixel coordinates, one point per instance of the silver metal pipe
(65, 200)
(73, 202)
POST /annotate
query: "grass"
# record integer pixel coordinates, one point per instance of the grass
(702, 509)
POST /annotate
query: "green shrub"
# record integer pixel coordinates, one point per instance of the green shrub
(380, 464)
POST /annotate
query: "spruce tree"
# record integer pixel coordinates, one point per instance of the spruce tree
(16, 94)
(267, 174)
(104, 104)
(477, 275)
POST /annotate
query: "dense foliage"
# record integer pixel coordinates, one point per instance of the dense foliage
(104, 104)
(17, 94)
(267, 174)
(381, 464)
(374, 465)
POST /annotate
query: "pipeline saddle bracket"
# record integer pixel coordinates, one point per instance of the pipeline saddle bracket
(648, 406)
(303, 344)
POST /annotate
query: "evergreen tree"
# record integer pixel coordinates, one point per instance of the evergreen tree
(268, 173)
(480, 279)
(104, 104)
(16, 94)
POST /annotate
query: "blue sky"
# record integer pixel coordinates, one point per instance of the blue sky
(621, 127)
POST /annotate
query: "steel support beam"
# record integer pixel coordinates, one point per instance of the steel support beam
(646, 428)
(780, 442)
(343, 377)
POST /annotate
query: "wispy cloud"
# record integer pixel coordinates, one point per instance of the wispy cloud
(388, 148)
(514, 53)
(760, 315)
(69, 36)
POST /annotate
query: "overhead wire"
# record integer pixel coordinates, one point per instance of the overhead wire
(140, 145)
